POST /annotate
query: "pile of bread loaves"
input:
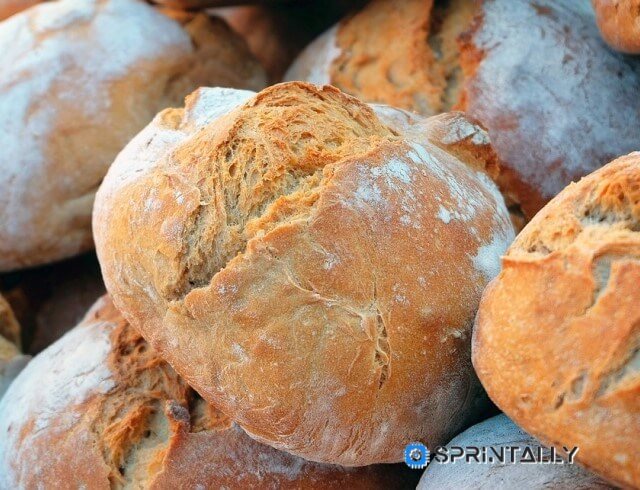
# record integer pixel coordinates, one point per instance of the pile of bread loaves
(228, 260)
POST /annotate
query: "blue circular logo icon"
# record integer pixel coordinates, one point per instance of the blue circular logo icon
(416, 455)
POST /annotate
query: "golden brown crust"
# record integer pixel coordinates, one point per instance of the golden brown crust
(84, 105)
(9, 327)
(11, 359)
(619, 23)
(140, 426)
(411, 62)
(518, 67)
(288, 232)
(557, 338)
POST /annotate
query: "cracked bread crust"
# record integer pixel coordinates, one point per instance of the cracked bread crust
(80, 78)
(518, 67)
(557, 337)
(619, 23)
(138, 425)
(292, 255)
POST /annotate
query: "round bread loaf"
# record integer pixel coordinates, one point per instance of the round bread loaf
(556, 102)
(311, 266)
(100, 409)
(499, 436)
(79, 79)
(11, 360)
(619, 23)
(557, 337)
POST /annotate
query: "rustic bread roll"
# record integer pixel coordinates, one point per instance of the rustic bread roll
(501, 434)
(556, 103)
(557, 338)
(619, 23)
(309, 265)
(79, 79)
(100, 409)
(11, 360)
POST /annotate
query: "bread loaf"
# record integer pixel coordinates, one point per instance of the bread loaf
(557, 337)
(496, 437)
(556, 102)
(619, 23)
(79, 79)
(11, 360)
(100, 409)
(309, 264)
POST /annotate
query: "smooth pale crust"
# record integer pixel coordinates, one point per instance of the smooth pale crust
(557, 337)
(80, 78)
(619, 23)
(147, 429)
(10, 7)
(500, 432)
(310, 266)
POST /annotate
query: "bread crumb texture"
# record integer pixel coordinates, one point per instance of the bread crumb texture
(557, 339)
(556, 102)
(79, 79)
(311, 265)
(118, 416)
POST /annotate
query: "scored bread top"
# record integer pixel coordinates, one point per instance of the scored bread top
(557, 337)
(118, 416)
(79, 79)
(310, 264)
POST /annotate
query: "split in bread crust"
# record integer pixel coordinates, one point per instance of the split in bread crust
(79, 79)
(557, 337)
(310, 264)
(555, 101)
(99, 409)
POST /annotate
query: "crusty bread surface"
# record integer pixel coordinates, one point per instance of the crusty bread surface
(557, 336)
(79, 79)
(309, 264)
(100, 410)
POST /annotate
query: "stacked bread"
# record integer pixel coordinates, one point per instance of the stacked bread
(556, 102)
(303, 280)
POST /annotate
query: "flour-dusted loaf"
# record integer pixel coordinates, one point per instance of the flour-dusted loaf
(11, 360)
(500, 436)
(557, 337)
(79, 79)
(312, 266)
(557, 103)
(619, 23)
(100, 409)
